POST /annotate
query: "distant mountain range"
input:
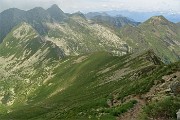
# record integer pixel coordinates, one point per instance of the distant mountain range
(114, 21)
(143, 16)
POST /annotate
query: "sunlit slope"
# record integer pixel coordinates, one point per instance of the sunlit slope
(94, 86)
(24, 56)
(78, 36)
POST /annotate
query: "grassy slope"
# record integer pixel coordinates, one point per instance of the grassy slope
(81, 90)
(22, 64)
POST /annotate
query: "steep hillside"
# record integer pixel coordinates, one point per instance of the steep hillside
(23, 42)
(158, 34)
(22, 52)
(94, 86)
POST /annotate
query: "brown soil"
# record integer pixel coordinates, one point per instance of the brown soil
(133, 113)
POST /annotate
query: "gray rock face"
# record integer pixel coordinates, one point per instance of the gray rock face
(176, 88)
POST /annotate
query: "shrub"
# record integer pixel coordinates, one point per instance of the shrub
(165, 108)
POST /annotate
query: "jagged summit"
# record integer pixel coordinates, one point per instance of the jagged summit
(56, 13)
(56, 8)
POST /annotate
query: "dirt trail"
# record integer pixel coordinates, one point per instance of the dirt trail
(156, 92)
(133, 113)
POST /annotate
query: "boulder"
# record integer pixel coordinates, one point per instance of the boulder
(175, 88)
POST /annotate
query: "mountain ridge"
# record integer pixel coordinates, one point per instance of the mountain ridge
(37, 14)
(71, 67)
(52, 13)
(52, 23)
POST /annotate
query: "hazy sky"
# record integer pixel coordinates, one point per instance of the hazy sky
(96, 5)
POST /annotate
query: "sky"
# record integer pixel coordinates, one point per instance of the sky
(71, 6)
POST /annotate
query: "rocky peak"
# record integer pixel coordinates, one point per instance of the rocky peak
(55, 8)
(56, 13)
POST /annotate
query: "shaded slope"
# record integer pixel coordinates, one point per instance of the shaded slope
(9, 19)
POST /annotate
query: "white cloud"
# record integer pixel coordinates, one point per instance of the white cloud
(96, 5)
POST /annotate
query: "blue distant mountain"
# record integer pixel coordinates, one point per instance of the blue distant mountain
(117, 21)
(143, 16)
